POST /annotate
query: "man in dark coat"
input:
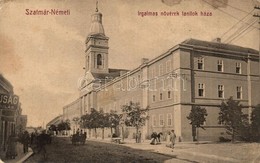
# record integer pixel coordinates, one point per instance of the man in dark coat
(25, 141)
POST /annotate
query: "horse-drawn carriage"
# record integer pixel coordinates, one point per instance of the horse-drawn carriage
(78, 138)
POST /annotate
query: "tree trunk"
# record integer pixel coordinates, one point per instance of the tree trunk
(197, 128)
(123, 137)
(89, 133)
(96, 133)
(193, 128)
(136, 135)
(103, 132)
(111, 131)
(117, 130)
(233, 136)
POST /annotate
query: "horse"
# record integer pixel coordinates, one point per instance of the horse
(159, 136)
(156, 137)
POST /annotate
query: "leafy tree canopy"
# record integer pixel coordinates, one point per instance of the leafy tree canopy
(197, 116)
(135, 115)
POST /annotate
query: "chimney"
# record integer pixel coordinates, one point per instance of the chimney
(144, 60)
(218, 40)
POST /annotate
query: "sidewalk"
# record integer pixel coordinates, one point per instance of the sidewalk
(21, 157)
(202, 152)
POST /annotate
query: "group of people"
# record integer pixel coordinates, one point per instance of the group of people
(156, 138)
(35, 140)
(79, 137)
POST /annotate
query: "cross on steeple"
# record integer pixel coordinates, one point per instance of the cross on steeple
(97, 6)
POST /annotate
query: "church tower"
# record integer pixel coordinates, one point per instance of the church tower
(96, 46)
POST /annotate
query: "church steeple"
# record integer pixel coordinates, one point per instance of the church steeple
(96, 23)
(96, 46)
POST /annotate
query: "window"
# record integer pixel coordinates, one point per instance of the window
(154, 120)
(238, 68)
(152, 73)
(88, 63)
(239, 92)
(201, 90)
(220, 65)
(161, 120)
(220, 91)
(160, 69)
(200, 63)
(169, 119)
(139, 78)
(99, 60)
(154, 98)
(161, 96)
(168, 66)
(169, 94)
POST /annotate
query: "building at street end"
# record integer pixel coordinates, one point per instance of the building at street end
(54, 122)
(193, 72)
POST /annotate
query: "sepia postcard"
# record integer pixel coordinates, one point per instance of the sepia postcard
(129, 81)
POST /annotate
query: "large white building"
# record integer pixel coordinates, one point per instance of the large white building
(193, 72)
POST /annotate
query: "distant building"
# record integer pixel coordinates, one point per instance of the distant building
(55, 121)
(30, 129)
(193, 72)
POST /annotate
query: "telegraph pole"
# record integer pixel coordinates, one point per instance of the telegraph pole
(258, 16)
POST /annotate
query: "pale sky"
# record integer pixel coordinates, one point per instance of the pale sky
(43, 56)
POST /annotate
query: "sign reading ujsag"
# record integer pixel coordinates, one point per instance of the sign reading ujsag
(8, 101)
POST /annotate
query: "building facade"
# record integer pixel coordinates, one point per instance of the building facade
(11, 119)
(194, 72)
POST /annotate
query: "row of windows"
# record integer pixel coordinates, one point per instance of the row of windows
(169, 96)
(116, 106)
(161, 69)
(220, 65)
(161, 119)
(220, 90)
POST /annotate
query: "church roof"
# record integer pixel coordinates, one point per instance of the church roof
(113, 73)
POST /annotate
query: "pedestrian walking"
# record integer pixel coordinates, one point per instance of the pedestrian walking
(42, 140)
(32, 138)
(172, 139)
(25, 141)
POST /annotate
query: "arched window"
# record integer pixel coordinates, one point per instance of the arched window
(99, 60)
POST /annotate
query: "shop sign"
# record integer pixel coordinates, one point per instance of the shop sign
(8, 101)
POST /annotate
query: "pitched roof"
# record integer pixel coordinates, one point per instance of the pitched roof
(218, 45)
(113, 73)
(4, 82)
